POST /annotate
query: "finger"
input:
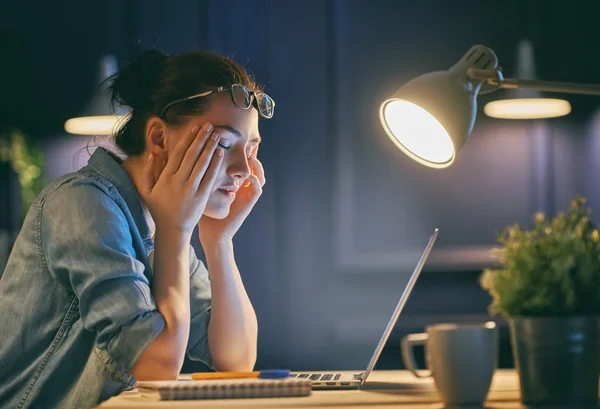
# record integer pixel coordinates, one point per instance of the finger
(147, 181)
(254, 183)
(176, 157)
(257, 169)
(205, 137)
(210, 175)
(203, 162)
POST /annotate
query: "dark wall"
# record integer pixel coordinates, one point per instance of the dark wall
(343, 217)
(51, 51)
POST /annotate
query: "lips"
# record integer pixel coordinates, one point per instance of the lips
(228, 190)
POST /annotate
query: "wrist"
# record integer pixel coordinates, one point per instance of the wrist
(172, 235)
(220, 259)
(216, 245)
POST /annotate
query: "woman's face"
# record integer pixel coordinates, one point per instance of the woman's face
(239, 138)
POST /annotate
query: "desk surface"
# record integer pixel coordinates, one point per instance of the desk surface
(390, 388)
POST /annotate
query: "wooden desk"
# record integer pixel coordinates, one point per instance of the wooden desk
(392, 389)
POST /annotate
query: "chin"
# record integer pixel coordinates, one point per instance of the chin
(216, 212)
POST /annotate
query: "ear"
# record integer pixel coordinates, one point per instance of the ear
(155, 135)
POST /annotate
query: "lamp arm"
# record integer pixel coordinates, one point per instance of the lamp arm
(495, 77)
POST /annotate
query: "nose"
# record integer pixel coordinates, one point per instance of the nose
(239, 168)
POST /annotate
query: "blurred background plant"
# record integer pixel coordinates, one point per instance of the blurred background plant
(26, 158)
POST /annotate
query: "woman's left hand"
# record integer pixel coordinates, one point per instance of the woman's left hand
(222, 230)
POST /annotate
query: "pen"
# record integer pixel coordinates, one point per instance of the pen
(265, 374)
(224, 375)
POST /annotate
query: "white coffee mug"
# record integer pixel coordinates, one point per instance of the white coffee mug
(461, 358)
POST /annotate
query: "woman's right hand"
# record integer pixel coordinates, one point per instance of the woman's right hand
(178, 198)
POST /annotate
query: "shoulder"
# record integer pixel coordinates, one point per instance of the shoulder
(75, 183)
(85, 182)
(80, 194)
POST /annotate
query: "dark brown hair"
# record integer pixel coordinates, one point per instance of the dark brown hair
(154, 79)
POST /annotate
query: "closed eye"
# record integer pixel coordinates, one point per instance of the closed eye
(237, 133)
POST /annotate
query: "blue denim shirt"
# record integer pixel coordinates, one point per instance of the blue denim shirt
(76, 306)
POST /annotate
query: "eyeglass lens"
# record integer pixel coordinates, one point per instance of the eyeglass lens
(243, 99)
(265, 104)
(241, 96)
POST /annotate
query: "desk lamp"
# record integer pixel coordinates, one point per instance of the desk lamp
(431, 117)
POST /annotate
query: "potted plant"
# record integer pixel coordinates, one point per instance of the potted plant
(547, 286)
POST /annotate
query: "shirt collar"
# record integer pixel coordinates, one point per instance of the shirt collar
(108, 165)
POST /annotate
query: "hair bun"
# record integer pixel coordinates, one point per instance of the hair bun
(134, 85)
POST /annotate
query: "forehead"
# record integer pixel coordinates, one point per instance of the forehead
(222, 111)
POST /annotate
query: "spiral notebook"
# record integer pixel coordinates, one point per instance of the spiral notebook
(225, 388)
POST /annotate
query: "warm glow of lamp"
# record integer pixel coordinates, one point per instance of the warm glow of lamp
(99, 117)
(431, 117)
(405, 122)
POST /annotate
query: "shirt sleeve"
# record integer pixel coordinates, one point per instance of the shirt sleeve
(200, 304)
(87, 244)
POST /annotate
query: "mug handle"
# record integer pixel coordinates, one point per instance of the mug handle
(408, 342)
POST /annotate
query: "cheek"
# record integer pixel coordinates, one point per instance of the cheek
(222, 172)
(175, 135)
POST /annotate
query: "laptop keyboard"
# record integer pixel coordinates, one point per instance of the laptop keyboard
(323, 376)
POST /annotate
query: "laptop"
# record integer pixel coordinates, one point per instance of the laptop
(345, 380)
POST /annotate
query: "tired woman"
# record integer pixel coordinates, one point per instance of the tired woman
(102, 287)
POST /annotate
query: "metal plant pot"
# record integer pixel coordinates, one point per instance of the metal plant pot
(557, 358)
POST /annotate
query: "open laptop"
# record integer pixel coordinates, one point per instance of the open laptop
(345, 380)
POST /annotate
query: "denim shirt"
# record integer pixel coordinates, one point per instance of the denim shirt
(76, 306)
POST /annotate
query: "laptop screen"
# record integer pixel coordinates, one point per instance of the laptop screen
(400, 306)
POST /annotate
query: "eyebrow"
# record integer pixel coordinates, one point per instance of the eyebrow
(236, 132)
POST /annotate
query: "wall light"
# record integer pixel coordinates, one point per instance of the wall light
(526, 103)
(99, 118)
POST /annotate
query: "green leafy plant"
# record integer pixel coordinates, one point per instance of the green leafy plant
(27, 160)
(552, 269)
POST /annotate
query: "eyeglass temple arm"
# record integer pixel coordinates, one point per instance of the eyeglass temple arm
(180, 100)
(495, 77)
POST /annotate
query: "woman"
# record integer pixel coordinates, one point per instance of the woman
(102, 287)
